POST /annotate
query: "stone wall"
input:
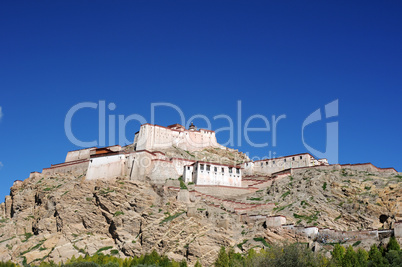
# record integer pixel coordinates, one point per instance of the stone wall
(275, 221)
(154, 137)
(368, 167)
(269, 166)
(78, 167)
(223, 191)
(80, 154)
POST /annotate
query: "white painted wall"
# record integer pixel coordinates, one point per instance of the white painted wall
(106, 167)
(188, 174)
(216, 174)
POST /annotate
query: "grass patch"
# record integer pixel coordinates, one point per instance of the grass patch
(240, 246)
(171, 217)
(324, 186)
(114, 252)
(303, 202)
(285, 194)
(117, 213)
(103, 249)
(337, 218)
(81, 250)
(262, 240)
(106, 191)
(5, 240)
(277, 209)
(189, 153)
(355, 244)
(255, 198)
(33, 248)
(307, 218)
(182, 183)
(27, 236)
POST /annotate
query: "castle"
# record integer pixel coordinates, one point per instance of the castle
(146, 158)
(154, 137)
(257, 194)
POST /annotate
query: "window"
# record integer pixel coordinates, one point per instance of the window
(215, 169)
(262, 164)
(273, 162)
(208, 167)
(230, 169)
(293, 158)
(188, 168)
(266, 163)
(237, 170)
(301, 157)
(284, 160)
(223, 169)
(201, 167)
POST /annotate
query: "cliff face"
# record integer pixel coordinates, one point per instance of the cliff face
(56, 217)
(60, 216)
(341, 199)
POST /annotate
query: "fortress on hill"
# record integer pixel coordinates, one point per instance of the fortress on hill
(148, 158)
(225, 187)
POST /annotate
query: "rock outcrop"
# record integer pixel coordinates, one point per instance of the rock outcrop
(55, 217)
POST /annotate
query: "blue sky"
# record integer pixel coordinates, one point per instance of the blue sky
(276, 57)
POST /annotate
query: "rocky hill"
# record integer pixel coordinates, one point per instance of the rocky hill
(343, 199)
(55, 217)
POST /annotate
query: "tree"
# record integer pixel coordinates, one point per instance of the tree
(223, 258)
(197, 264)
(393, 244)
(337, 254)
(350, 258)
(235, 259)
(394, 257)
(375, 257)
(183, 263)
(362, 257)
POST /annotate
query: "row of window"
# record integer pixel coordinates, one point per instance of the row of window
(273, 162)
(208, 168)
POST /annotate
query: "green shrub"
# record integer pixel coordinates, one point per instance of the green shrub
(103, 249)
(262, 240)
(171, 217)
(117, 213)
(114, 252)
(285, 194)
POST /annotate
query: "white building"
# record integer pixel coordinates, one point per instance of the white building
(269, 166)
(208, 173)
(153, 137)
